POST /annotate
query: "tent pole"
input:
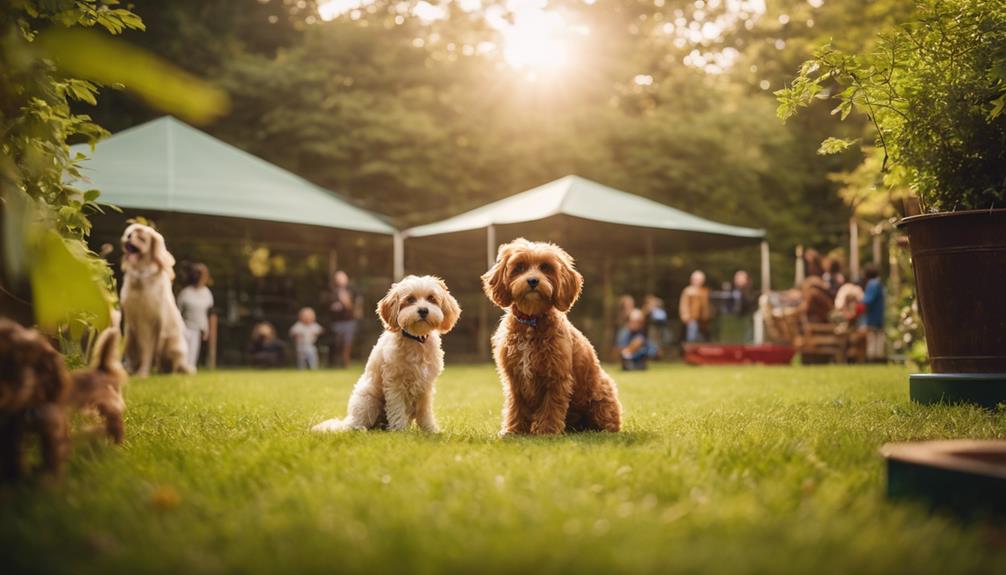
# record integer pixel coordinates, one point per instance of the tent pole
(608, 327)
(651, 267)
(877, 246)
(490, 245)
(398, 241)
(854, 249)
(766, 270)
(483, 343)
(800, 266)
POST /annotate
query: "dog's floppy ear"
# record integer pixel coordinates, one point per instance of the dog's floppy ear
(160, 254)
(387, 309)
(494, 281)
(450, 307)
(570, 282)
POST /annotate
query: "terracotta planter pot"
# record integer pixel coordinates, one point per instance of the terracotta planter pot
(960, 277)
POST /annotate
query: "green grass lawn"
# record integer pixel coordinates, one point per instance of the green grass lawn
(758, 470)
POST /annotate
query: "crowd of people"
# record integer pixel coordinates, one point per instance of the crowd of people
(266, 349)
(344, 309)
(857, 309)
(645, 333)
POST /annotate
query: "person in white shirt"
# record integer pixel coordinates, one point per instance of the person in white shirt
(195, 301)
(305, 333)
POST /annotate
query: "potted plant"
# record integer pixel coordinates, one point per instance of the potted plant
(934, 91)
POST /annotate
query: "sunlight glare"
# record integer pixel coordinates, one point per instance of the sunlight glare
(538, 41)
(331, 9)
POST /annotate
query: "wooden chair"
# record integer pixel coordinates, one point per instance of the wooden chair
(785, 323)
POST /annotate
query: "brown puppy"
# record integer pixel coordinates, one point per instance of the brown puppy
(33, 389)
(98, 387)
(552, 379)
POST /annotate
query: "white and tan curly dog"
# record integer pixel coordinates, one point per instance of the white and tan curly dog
(154, 328)
(397, 385)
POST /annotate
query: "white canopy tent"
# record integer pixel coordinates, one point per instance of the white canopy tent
(595, 217)
(582, 199)
(169, 166)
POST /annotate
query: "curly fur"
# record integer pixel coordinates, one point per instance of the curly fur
(154, 328)
(397, 385)
(552, 379)
(98, 387)
(33, 388)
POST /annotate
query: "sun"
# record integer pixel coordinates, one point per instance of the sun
(535, 42)
(538, 42)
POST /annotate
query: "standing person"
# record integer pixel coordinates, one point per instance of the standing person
(742, 302)
(342, 306)
(737, 323)
(873, 317)
(693, 307)
(194, 302)
(305, 333)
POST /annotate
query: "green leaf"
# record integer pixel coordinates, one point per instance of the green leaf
(91, 195)
(835, 146)
(104, 60)
(63, 287)
(997, 108)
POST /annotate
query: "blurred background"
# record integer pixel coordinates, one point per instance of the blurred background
(420, 110)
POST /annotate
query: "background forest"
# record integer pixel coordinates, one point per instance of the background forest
(419, 110)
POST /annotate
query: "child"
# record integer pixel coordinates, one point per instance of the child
(304, 333)
(632, 342)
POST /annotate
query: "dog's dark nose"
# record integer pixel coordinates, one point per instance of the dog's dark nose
(533, 282)
(423, 312)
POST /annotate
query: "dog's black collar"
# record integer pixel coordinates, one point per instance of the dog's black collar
(419, 338)
(531, 320)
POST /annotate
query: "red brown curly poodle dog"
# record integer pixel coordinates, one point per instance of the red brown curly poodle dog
(552, 379)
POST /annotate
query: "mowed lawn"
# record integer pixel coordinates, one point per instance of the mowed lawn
(721, 470)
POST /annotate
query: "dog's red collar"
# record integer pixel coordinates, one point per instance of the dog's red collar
(531, 320)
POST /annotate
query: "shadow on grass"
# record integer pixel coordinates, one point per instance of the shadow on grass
(587, 438)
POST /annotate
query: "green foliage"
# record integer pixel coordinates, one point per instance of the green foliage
(54, 61)
(736, 470)
(160, 84)
(835, 146)
(934, 89)
(37, 124)
(63, 284)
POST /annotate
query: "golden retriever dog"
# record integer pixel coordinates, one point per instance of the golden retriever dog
(98, 387)
(154, 328)
(34, 384)
(397, 386)
(552, 379)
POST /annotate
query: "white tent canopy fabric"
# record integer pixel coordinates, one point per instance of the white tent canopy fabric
(169, 166)
(582, 198)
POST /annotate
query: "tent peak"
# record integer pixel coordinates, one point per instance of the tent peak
(167, 165)
(578, 197)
